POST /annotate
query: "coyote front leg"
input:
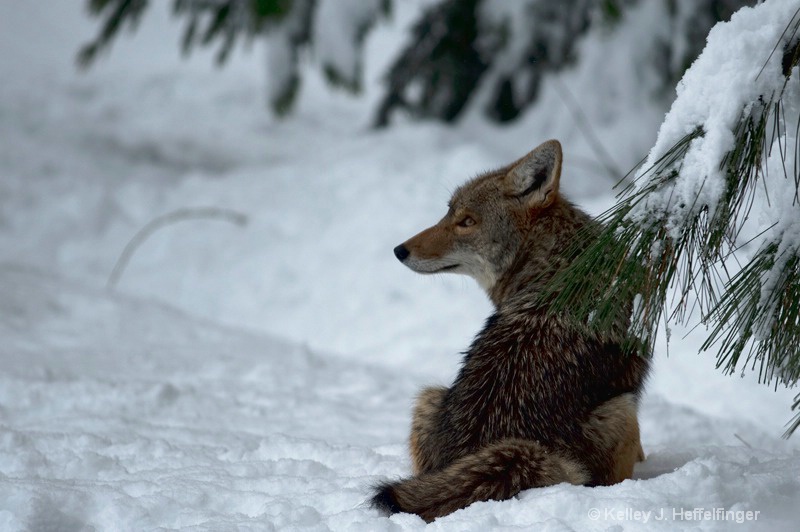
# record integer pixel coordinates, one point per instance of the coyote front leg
(422, 441)
(612, 430)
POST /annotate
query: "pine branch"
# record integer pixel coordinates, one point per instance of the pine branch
(669, 245)
(288, 24)
(120, 12)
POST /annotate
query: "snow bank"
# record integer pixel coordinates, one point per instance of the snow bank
(122, 414)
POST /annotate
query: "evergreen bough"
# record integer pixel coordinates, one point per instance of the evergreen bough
(456, 49)
(288, 24)
(677, 258)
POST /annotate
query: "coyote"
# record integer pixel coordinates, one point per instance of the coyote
(541, 398)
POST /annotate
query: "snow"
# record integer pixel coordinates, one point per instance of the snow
(351, 18)
(738, 58)
(780, 212)
(743, 58)
(261, 377)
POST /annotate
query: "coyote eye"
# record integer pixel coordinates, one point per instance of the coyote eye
(468, 221)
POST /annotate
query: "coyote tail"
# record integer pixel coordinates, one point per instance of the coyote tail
(495, 472)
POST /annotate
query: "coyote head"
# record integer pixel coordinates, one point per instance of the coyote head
(488, 219)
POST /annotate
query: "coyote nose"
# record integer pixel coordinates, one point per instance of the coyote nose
(401, 252)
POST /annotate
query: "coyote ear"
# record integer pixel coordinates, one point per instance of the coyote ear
(534, 178)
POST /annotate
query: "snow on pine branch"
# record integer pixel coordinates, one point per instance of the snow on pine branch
(712, 220)
(728, 149)
(335, 29)
(339, 30)
(732, 75)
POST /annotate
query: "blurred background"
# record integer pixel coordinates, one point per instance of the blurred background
(336, 128)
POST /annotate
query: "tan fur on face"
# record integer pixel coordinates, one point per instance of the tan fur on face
(502, 204)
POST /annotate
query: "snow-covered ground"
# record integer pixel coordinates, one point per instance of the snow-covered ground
(261, 376)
